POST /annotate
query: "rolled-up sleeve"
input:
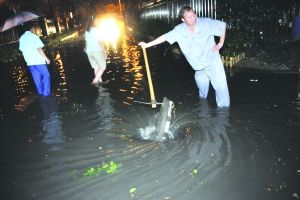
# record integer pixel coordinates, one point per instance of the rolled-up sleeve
(37, 42)
(216, 27)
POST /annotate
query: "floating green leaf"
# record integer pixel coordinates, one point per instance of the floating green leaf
(109, 168)
(112, 167)
(132, 190)
(194, 172)
(89, 172)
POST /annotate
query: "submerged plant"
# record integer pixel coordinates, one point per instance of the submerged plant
(194, 172)
(109, 168)
(132, 191)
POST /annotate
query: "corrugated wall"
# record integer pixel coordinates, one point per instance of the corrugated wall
(168, 9)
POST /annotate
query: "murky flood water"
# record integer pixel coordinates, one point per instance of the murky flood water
(249, 151)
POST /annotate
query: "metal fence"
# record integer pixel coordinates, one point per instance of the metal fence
(168, 9)
(8, 37)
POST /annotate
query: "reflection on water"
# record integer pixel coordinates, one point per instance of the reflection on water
(23, 91)
(61, 90)
(21, 79)
(24, 102)
(104, 108)
(51, 124)
(132, 71)
(298, 88)
(299, 83)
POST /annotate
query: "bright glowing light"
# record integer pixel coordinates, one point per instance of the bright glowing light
(109, 30)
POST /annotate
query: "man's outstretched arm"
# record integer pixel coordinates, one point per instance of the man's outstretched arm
(154, 42)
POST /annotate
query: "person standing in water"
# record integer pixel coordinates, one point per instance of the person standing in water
(95, 51)
(36, 59)
(195, 37)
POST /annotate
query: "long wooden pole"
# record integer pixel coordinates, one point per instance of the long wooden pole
(152, 96)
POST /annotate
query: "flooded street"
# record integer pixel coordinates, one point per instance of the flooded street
(249, 151)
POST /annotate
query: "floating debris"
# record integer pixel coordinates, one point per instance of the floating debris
(194, 172)
(132, 191)
(109, 168)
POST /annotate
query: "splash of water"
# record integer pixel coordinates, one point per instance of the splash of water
(150, 132)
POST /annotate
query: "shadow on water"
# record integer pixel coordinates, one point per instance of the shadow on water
(249, 151)
(51, 125)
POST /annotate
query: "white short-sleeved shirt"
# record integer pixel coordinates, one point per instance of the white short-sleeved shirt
(92, 40)
(29, 44)
(197, 46)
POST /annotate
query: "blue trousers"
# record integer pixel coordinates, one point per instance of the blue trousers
(215, 75)
(41, 78)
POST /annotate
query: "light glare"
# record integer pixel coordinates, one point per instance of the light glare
(109, 30)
